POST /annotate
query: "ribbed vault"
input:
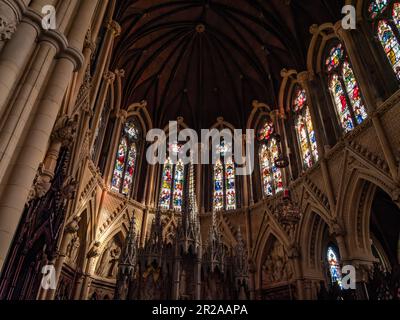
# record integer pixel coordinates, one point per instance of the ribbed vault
(201, 59)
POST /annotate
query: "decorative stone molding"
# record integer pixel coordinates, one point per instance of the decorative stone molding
(41, 184)
(109, 76)
(114, 27)
(65, 130)
(7, 28)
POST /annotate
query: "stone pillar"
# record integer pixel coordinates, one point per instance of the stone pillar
(197, 275)
(304, 79)
(109, 78)
(276, 118)
(16, 52)
(121, 118)
(33, 149)
(89, 270)
(113, 31)
(10, 16)
(71, 230)
(176, 277)
(294, 256)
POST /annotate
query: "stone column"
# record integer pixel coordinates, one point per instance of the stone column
(370, 96)
(16, 52)
(294, 256)
(304, 79)
(10, 16)
(22, 106)
(71, 230)
(89, 270)
(113, 31)
(33, 150)
(109, 78)
(121, 118)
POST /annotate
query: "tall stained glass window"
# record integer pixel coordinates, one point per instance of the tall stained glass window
(172, 183)
(126, 162)
(344, 89)
(304, 129)
(224, 181)
(271, 175)
(334, 267)
(385, 16)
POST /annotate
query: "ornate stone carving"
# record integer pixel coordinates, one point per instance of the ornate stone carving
(7, 28)
(65, 130)
(277, 268)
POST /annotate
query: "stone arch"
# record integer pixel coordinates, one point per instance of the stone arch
(107, 262)
(262, 244)
(310, 233)
(356, 209)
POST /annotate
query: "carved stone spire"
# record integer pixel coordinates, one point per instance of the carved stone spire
(189, 229)
(127, 264)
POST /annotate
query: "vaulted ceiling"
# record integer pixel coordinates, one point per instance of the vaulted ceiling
(202, 59)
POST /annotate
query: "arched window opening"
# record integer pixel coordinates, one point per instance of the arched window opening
(386, 20)
(304, 129)
(224, 181)
(344, 89)
(334, 267)
(271, 175)
(126, 161)
(172, 182)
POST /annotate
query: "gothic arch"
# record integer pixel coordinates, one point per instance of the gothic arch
(258, 252)
(268, 246)
(310, 234)
(356, 209)
(322, 35)
(111, 248)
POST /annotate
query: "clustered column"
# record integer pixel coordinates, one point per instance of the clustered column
(32, 151)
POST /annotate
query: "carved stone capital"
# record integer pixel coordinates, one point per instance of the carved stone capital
(114, 27)
(94, 251)
(65, 130)
(109, 76)
(7, 28)
(41, 184)
(73, 226)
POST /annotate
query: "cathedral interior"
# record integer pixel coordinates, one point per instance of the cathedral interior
(79, 198)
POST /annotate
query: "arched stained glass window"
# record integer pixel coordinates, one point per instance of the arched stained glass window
(334, 267)
(344, 89)
(178, 185)
(218, 186)
(172, 183)
(386, 19)
(304, 129)
(166, 185)
(224, 181)
(271, 175)
(126, 162)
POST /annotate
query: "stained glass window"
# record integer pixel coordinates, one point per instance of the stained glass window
(334, 267)
(386, 21)
(344, 89)
(125, 163)
(377, 7)
(390, 44)
(179, 179)
(305, 129)
(166, 187)
(173, 180)
(218, 186)
(266, 131)
(271, 175)
(224, 181)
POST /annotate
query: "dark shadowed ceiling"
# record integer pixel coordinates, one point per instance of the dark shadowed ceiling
(202, 59)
